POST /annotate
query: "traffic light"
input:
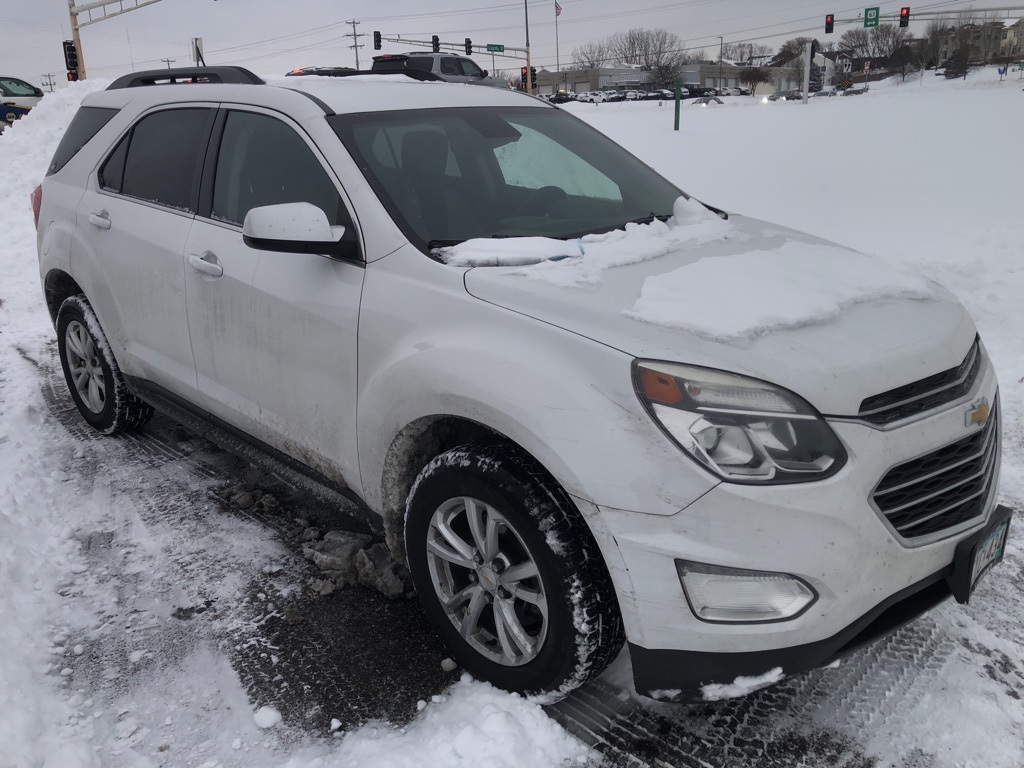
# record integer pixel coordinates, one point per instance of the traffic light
(376, 41)
(533, 78)
(435, 43)
(469, 47)
(830, 20)
(72, 76)
(905, 16)
(522, 76)
(71, 57)
(814, 50)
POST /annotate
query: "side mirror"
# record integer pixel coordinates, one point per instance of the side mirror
(296, 228)
(485, 73)
(37, 92)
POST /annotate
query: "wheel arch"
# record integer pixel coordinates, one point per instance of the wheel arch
(58, 286)
(411, 450)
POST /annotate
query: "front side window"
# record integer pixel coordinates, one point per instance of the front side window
(448, 175)
(450, 66)
(263, 161)
(470, 68)
(159, 160)
(12, 87)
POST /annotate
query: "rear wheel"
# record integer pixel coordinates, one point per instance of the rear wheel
(92, 374)
(509, 573)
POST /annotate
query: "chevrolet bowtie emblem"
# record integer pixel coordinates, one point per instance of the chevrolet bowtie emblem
(978, 413)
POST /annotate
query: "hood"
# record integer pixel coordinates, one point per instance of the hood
(833, 325)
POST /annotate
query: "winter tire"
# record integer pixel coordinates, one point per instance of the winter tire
(92, 374)
(509, 573)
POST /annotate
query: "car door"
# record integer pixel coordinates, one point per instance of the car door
(132, 225)
(273, 334)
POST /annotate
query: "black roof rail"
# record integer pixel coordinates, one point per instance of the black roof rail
(186, 75)
(415, 74)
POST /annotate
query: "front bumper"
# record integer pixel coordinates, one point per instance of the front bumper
(680, 675)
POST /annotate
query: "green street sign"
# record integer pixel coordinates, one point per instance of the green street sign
(871, 17)
(492, 48)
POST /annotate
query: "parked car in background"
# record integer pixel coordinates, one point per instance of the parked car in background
(447, 66)
(792, 95)
(636, 95)
(613, 95)
(17, 97)
(594, 97)
(706, 101)
(825, 93)
(663, 94)
(562, 97)
(855, 91)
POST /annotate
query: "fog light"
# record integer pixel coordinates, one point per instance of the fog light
(719, 594)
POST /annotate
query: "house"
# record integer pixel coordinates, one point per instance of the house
(985, 40)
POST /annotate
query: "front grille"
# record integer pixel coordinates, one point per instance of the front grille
(944, 488)
(926, 394)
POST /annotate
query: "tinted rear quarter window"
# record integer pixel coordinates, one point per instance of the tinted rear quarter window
(162, 160)
(86, 123)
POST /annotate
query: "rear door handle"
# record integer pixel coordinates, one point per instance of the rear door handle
(207, 264)
(101, 219)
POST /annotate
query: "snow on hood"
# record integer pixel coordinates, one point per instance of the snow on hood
(794, 285)
(726, 296)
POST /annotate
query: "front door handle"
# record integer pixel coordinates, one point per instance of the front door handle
(101, 219)
(206, 263)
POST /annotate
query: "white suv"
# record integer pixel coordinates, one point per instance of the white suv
(446, 301)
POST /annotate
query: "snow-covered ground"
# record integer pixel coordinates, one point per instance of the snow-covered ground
(926, 172)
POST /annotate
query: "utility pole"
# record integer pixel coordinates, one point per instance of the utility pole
(721, 48)
(48, 81)
(168, 62)
(529, 82)
(355, 39)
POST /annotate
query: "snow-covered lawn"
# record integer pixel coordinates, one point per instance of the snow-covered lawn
(929, 173)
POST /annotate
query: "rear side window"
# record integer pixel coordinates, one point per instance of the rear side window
(159, 160)
(84, 125)
(420, 62)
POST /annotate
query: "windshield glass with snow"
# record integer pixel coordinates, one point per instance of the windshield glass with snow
(451, 175)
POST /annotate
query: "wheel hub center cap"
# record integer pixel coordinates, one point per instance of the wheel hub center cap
(488, 579)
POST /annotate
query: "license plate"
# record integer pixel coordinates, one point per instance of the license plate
(989, 552)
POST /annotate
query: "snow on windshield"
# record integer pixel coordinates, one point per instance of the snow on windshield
(583, 261)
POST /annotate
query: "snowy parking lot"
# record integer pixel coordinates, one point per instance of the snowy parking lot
(152, 616)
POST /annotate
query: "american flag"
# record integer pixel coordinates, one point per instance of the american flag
(558, 9)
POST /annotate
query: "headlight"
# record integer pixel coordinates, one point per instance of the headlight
(742, 429)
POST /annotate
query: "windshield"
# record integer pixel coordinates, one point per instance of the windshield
(449, 175)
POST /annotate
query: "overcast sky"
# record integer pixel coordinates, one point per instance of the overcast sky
(273, 36)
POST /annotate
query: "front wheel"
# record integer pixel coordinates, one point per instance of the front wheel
(92, 374)
(509, 573)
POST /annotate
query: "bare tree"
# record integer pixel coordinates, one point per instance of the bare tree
(887, 39)
(591, 55)
(795, 46)
(744, 51)
(856, 41)
(933, 35)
